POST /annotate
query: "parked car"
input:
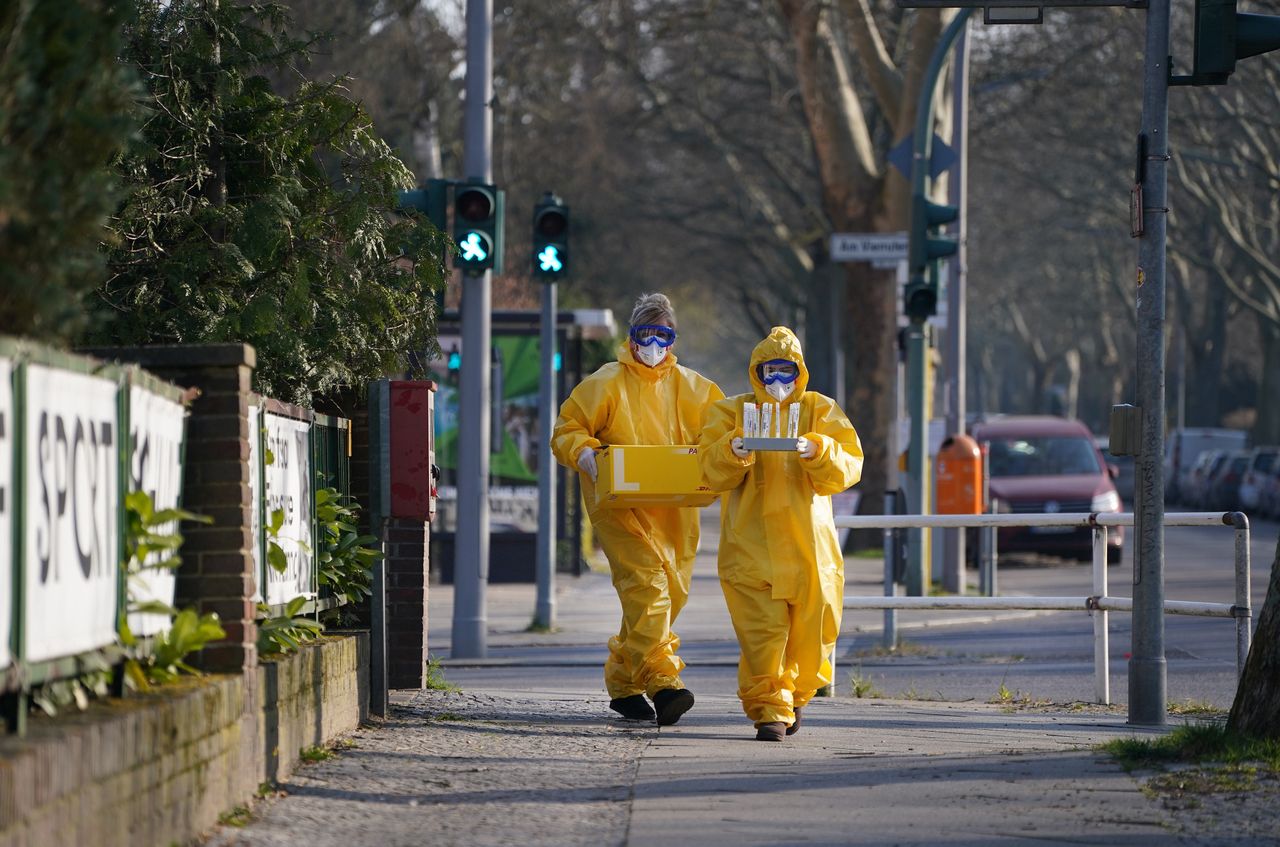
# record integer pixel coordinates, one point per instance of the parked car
(1224, 483)
(1256, 475)
(1270, 502)
(1182, 447)
(1047, 464)
(1124, 466)
(1194, 490)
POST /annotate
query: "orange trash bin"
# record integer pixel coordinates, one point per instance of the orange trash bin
(958, 479)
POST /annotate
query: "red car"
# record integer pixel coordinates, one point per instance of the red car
(1043, 464)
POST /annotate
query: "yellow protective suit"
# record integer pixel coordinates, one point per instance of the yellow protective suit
(780, 563)
(650, 550)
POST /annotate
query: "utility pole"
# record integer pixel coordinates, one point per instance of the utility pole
(550, 263)
(545, 606)
(920, 297)
(471, 547)
(1148, 689)
(957, 190)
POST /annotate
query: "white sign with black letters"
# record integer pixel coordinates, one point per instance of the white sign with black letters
(883, 247)
(6, 510)
(255, 496)
(71, 496)
(289, 486)
(155, 466)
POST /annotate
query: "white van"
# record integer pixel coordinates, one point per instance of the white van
(1183, 446)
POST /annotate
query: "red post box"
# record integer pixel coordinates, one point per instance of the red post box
(958, 478)
(413, 486)
(403, 446)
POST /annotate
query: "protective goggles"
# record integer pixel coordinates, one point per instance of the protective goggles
(778, 370)
(645, 335)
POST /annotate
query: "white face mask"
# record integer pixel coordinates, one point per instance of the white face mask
(651, 354)
(780, 390)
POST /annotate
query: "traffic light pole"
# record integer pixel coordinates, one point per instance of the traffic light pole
(917, 346)
(953, 549)
(1147, 669)
(545, 610)
(471, 547)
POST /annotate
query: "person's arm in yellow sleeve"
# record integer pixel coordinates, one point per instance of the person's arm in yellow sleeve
(721, 467)
(837, 462)
(582, 415)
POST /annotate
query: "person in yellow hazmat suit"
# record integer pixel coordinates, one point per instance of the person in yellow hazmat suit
(780, 563)
(645, 397)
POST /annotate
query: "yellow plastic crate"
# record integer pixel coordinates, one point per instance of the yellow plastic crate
(642, 475)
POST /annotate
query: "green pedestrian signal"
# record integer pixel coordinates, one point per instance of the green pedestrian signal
(477, 227)
(549, 260)
(550, 238)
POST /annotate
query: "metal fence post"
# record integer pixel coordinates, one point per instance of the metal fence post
(1101, 632)
(890, 635)
(987, 563)
(1244, 598)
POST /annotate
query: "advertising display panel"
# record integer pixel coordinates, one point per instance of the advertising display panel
(156, 430)
(70, 497)
(513, 490)
(289, 494)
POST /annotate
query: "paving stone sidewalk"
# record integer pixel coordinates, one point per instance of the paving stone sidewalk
(528, 754)
(541, 768)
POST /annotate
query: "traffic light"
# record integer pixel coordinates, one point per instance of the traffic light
(1222, 36)
(550, 238)
(432, 200)
(477, 227)
(920, 299)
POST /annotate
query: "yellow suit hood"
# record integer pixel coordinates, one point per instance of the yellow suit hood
(780, 343)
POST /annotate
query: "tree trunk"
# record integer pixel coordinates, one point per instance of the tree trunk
(1208, 357)
(1071, 399)
(1256, 710)
(817, 338)
(1266, 430)
(870, 378)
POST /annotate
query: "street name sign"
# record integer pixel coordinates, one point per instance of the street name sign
(868, 246)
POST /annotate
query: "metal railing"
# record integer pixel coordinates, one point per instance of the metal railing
(1098, 604)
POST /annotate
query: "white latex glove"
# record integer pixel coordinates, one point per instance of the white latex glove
(587, 462)
(738, 450)
(806, 448)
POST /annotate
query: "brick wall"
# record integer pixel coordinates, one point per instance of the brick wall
(408, 548)
(160, 768)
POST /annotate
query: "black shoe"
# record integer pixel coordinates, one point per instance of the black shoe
(772, 731)
(795, 727)
(671, 703)
(633, 708)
